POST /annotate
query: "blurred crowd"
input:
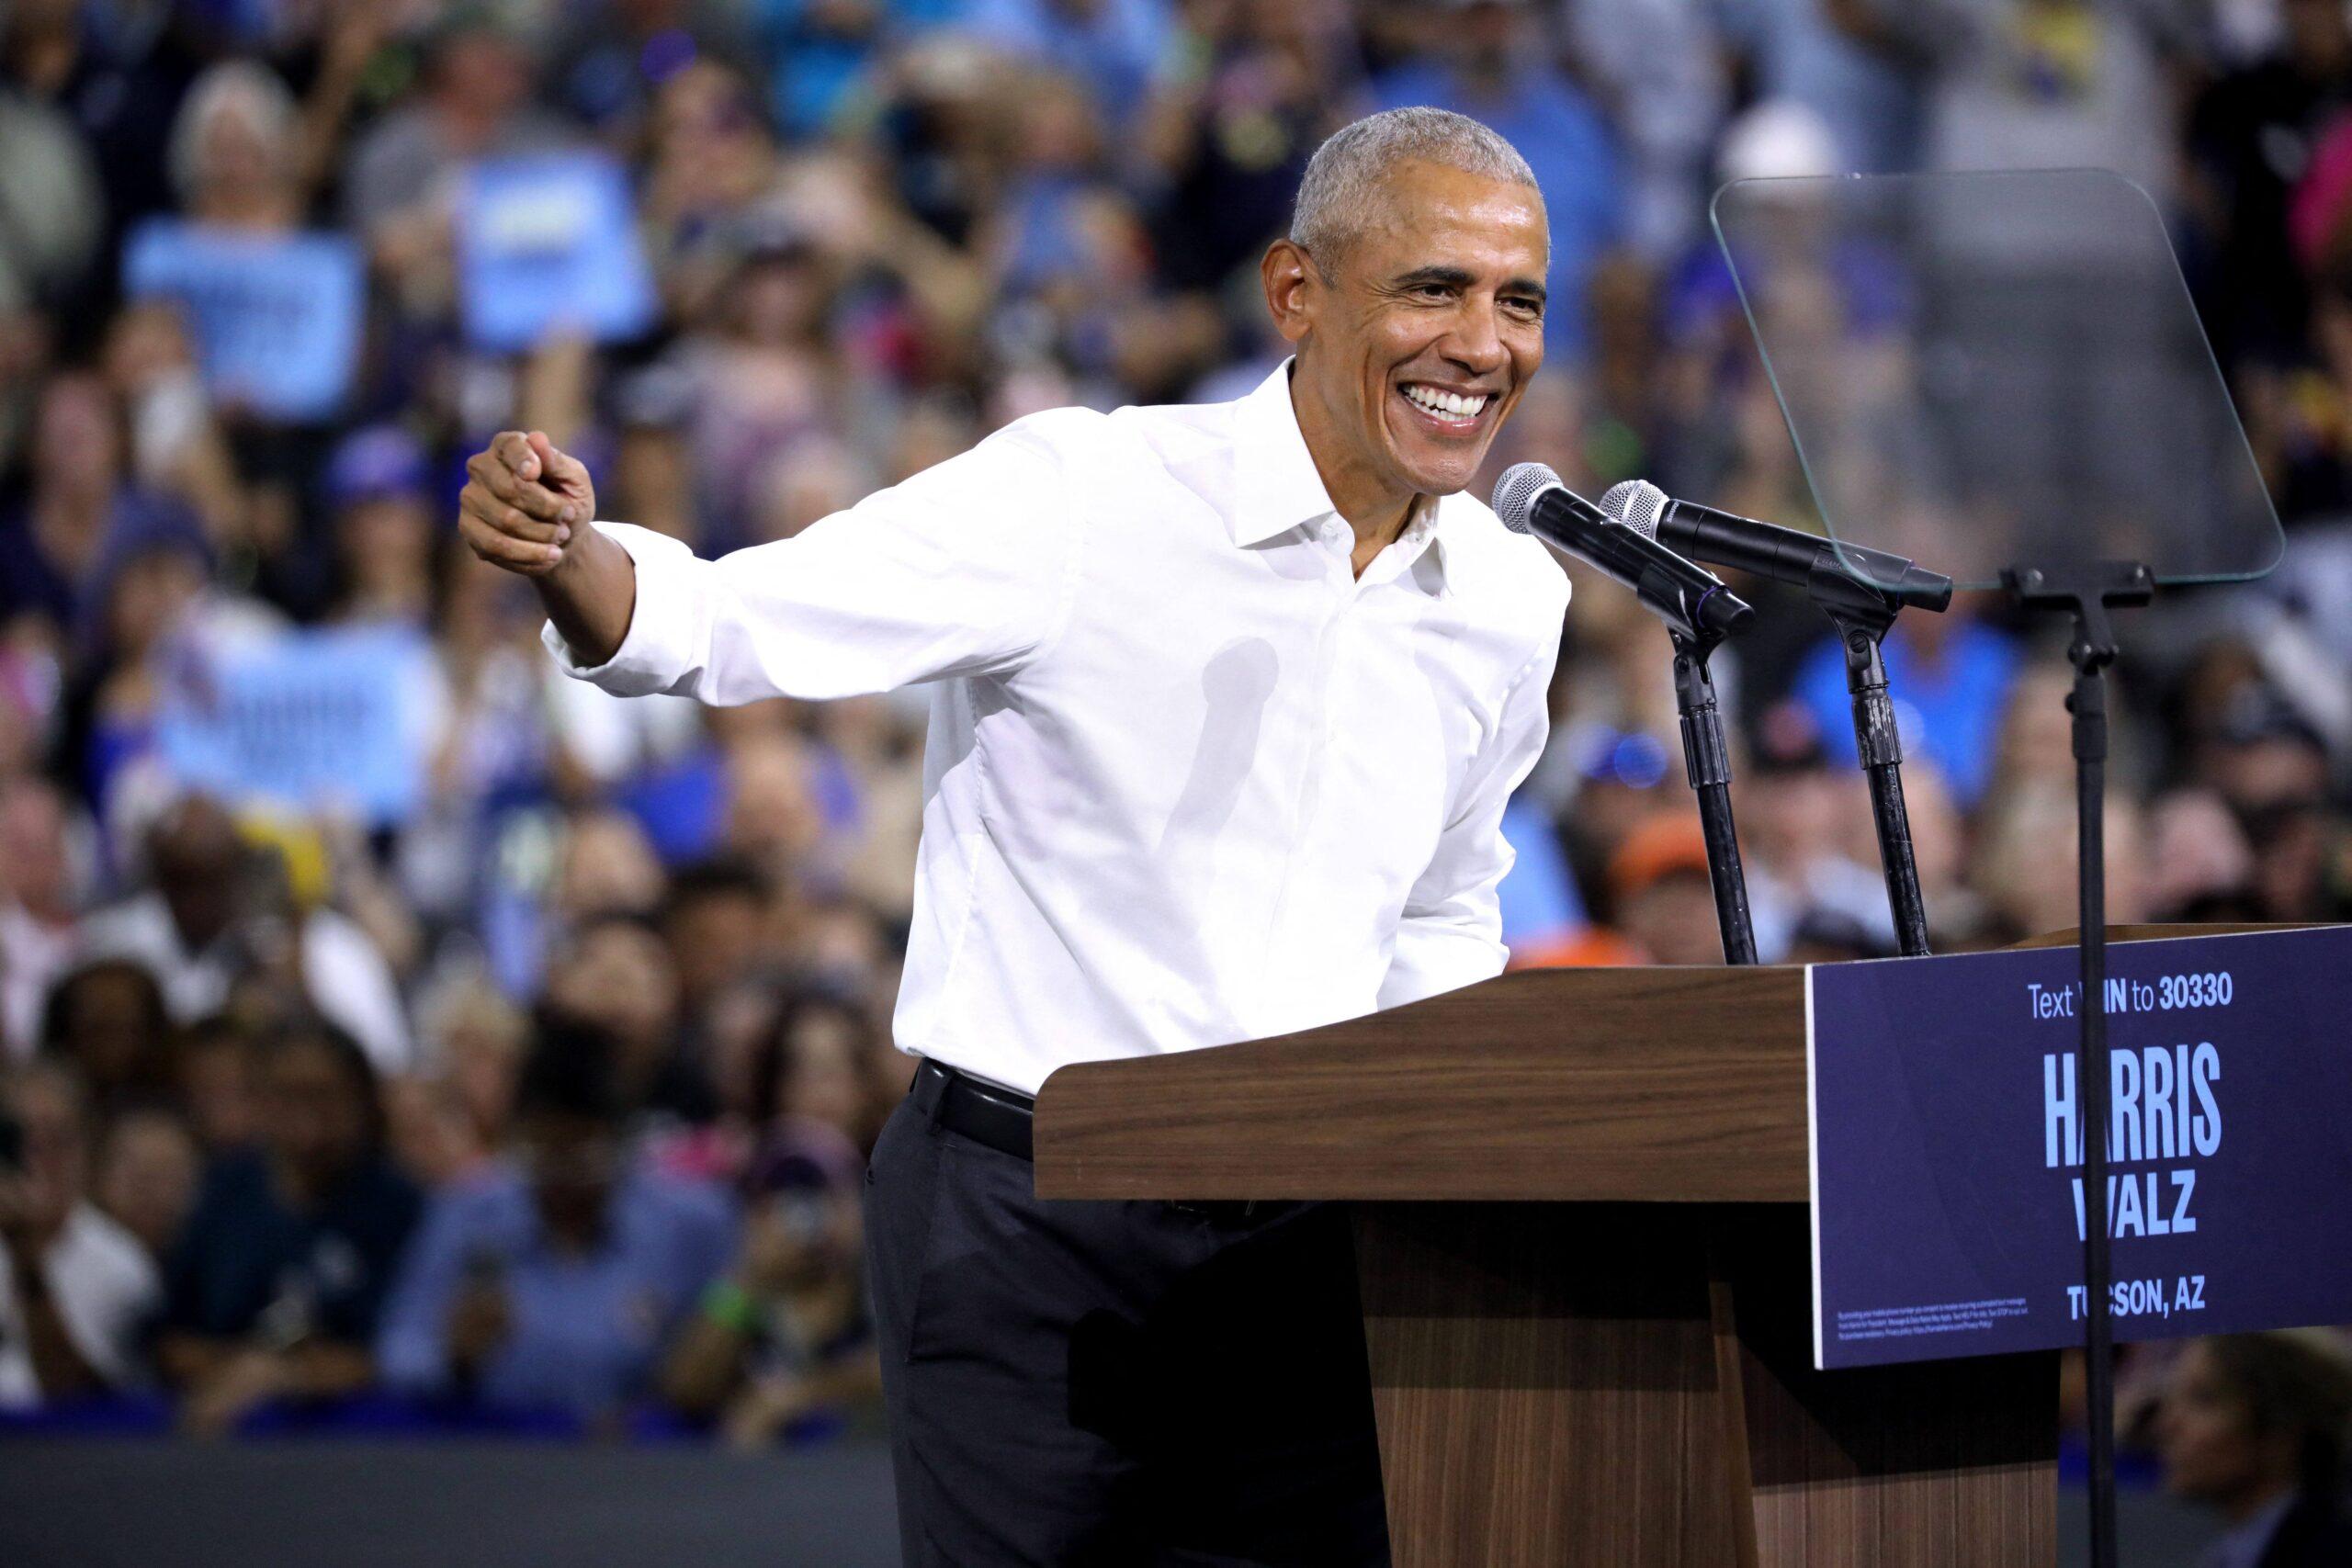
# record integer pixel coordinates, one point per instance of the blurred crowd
(393, 1026)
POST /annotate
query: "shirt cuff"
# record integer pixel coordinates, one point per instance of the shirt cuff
(656, 654)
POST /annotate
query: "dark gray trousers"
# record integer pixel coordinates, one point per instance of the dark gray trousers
(1115, 1384)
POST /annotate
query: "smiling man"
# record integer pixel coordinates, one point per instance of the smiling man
(1226, 703)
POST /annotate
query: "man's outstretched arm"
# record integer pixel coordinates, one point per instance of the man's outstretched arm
(527, 507)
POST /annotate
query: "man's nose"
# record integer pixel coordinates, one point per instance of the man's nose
(1476, 344)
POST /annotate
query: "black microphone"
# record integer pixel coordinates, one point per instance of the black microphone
(1530, 499)
(1767, 549)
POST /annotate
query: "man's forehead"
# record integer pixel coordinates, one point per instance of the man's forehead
(1427, 207)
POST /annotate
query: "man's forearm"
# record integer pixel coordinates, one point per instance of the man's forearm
(591, 597)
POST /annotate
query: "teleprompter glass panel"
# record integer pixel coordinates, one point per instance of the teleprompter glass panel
(1986, 370)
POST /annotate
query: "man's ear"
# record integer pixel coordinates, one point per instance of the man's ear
(1295, 289)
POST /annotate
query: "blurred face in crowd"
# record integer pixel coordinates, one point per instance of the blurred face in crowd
(147, 1176)
(388, 544)
(33, 867)
(2212, 1452)
(147, 596)
(715, 938)
(315, 1110)
(238, 154)
(771, 808)
(77, 446)
(111, 1025)
(483, 72)
(606, 865)
(573, 1161)
(53, 1158)
(824, 1069)
(618, 975)
(216, 1081)
(1438, 295)
(1673, 918)
(196, 857)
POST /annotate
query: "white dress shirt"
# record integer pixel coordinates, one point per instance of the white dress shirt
(1188, 779)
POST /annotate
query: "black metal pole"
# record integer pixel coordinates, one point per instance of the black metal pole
(1863, 615)
(1880, 744)
(2088, 704)
(1706, 760)
(2087, 595)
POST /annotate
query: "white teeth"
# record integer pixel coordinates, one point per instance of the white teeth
(1453, 403)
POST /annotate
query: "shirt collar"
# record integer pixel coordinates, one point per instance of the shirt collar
(1277, 485)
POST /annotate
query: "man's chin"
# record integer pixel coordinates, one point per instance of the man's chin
(1455, 473)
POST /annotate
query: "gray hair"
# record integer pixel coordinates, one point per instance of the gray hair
(1343, 178)
(233, 87)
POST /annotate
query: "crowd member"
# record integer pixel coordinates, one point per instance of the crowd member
(552, 1279)
(280, 1273)
(2254, 1426)
(77, 1290)
(785, 1336)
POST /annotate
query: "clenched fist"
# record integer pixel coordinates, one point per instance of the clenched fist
(523, 503)
(526, 508)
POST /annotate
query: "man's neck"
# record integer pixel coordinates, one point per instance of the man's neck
(1377, 512)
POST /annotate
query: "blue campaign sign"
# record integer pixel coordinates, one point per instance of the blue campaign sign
(276, 318)
(547, 242)
(1948, 1142)
(330, 718)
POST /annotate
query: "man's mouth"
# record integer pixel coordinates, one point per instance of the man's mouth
(1447, 411)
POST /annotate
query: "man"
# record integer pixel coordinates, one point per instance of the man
(1230, 700)
(552, 1280)
(76, 1294)
(198, 929)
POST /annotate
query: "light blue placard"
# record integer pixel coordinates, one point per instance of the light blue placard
(310, 719)
(276, 318)
(548, 242)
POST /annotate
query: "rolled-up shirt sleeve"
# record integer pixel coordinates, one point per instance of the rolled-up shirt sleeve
(969, 568)
(1450, 932)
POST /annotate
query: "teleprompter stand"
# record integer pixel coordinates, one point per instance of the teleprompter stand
(2087, 593)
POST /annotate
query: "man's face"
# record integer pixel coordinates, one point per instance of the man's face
(1419, 340)
(572, 1161)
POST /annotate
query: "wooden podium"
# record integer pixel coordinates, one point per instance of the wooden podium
(1582, 1242)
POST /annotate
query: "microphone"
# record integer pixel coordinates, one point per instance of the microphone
(1530, 499)
(1767, 549)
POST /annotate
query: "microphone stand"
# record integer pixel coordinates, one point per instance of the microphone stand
(1863, 616)
(1706, 760)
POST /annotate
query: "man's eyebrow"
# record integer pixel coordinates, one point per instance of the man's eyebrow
(1450, 276)
(1457, 278)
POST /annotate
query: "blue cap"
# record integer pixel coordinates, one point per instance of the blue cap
(380, 461)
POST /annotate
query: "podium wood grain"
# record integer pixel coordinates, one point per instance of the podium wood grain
(1654, 1085)
(1583, 1254)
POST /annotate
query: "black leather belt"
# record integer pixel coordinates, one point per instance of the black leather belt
(979, 1111)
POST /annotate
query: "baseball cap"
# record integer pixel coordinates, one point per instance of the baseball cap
(380, 461)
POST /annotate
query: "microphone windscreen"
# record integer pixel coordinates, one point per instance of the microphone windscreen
(1516, 492)
(1638, 505)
